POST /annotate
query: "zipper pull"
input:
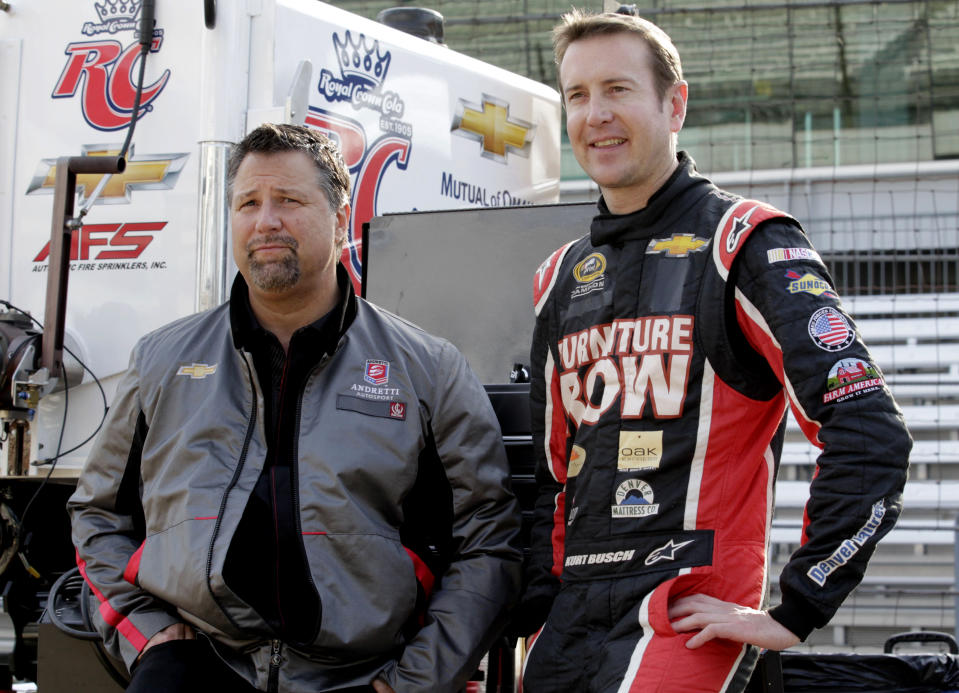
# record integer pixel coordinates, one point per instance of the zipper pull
(275, 657)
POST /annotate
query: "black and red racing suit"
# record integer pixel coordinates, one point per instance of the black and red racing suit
(669, 344)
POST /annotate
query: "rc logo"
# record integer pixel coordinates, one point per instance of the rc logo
(363, 67)
(106, 68)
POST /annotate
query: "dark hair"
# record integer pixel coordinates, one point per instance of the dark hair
(272, 138)
(577, 25)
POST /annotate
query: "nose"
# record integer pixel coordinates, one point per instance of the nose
(598, 112)
(268, 218)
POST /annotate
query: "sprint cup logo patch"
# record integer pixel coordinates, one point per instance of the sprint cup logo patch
(590, 268)
(590, 275)
(377, 372)
(634, 498)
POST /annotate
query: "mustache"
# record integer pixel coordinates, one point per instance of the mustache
(275, 239)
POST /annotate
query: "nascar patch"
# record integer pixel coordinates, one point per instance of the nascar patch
(774, 255)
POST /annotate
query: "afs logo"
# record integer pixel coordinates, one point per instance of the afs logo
(105, 69)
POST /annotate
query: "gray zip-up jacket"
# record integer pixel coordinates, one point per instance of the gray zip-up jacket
(168, 479)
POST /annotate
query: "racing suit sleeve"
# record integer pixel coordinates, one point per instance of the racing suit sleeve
(789, 311)
(108, 528)
(469, 604)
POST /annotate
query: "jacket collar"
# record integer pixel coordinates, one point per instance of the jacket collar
(662, 210)
(244, 325)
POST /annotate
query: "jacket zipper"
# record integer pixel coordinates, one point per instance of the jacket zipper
(275, 661)
(251, 424)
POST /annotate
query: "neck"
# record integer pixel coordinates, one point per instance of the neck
(631, 199)
(285, 313)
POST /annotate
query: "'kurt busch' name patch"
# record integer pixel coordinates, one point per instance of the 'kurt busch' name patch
(660, 551)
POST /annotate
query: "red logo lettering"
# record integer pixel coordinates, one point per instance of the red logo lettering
(107, 73)
(119, 241)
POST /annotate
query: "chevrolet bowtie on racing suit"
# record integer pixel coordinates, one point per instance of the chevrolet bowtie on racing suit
(669, 344)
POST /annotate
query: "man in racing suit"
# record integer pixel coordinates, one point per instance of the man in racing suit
(669, 344)
(297, 491)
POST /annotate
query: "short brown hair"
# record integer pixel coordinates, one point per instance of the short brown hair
(272, 138)
(577, 25)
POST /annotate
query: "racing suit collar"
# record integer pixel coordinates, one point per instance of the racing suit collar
(656, 215)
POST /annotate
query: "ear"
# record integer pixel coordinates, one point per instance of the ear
(676, 103)
(341, 231)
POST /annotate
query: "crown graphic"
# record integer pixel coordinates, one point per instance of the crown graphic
(361, 60)
(118, 9)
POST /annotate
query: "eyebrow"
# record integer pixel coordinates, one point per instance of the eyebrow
(605, 82)
(246, 192)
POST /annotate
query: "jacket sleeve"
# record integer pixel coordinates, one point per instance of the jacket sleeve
(788, 309)
(468, 606)
(108, 528)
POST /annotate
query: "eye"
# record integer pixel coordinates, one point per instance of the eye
(575, 96)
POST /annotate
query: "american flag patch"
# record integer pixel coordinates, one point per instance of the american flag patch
(830, 330)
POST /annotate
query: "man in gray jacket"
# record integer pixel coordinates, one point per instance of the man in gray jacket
(297, 491)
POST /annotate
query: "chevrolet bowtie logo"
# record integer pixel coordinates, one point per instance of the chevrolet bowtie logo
(197, 370)
(491, 125)
(677, 245)
(153, 172)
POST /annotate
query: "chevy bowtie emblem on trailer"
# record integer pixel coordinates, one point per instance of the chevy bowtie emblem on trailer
(197, 371)
(150, 172)
(677, 245)
(492, 127)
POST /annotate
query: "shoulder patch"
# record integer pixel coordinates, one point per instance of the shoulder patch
(545, 276)
(734, 228)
